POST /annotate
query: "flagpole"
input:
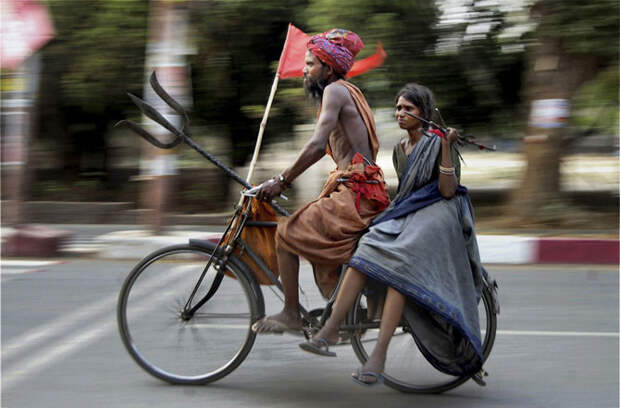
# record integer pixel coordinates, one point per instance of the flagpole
(263, 124)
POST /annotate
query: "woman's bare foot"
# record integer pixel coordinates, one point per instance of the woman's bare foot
(320, 342)
(329, 334)
(371, 372)
(376, 365)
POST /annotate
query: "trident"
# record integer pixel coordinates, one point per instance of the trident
(181, 134)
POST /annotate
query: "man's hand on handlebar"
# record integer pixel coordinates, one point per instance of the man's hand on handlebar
(269, 189)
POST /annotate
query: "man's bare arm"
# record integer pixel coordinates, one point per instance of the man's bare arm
(334, 98)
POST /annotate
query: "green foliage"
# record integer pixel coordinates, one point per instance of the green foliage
(584, 27)
(596, 104)
(98, 55)
(232, 73)
(586, 30)
(98, 52)
(405, 29)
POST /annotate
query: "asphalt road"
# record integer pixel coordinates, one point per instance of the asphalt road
(557, 346)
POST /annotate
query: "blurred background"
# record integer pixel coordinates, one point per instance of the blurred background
(539, 79)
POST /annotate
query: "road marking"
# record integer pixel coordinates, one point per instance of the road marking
(61, 324)
(43, 333)
(14, 267)
(19, 271)
(60, 349)
(499, 332)
(26, 263)
(221, 326)
(556, 333)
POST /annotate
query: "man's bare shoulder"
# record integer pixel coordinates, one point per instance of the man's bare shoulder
(338, 93)
(336, 89)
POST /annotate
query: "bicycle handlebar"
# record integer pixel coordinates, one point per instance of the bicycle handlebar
(254, 190)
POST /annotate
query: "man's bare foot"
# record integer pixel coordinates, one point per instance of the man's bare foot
(279, 323)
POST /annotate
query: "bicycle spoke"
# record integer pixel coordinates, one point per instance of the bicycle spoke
(222, 315)
(406, 367)
(167, 344)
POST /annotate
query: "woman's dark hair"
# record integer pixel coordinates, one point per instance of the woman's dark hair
(420, 96)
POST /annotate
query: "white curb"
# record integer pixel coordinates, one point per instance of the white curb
(507, 249)
(137, 244)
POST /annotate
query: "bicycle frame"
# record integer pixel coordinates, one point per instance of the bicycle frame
(226, 249)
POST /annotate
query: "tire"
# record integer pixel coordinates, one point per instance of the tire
(407, 370)
(196, 350)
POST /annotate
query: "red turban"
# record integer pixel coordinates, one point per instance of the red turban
(336, 48)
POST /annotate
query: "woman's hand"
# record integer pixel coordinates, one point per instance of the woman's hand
(452, 135)
(270, 189)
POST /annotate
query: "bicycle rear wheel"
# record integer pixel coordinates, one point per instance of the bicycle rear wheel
(406, 369)
(168, 343)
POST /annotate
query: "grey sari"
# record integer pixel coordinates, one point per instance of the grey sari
(425, 247)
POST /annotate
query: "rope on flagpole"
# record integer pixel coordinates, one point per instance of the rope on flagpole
(261, 130)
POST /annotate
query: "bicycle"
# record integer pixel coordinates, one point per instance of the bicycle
(202, 292)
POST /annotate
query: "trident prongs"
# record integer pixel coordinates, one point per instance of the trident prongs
(151, 113)
(159, 90)
(146, 135)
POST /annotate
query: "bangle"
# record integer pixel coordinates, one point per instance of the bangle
(283, 181)
(447, 170)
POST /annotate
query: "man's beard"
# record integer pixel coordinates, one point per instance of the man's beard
(314, 88)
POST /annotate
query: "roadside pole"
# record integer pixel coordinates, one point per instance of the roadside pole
(25, 27)
(18, 91)
(166, 53)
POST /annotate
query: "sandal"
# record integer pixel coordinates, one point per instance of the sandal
(357, 377)
(318, 346)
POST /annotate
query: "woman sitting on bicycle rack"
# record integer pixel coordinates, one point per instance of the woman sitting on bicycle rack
(424, 249)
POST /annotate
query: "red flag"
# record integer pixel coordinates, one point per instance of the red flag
(374, 61)
(292, 59)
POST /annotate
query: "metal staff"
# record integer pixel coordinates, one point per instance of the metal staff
(181, 135)
(461, 139)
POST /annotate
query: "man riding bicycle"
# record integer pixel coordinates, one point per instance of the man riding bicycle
(326, 230)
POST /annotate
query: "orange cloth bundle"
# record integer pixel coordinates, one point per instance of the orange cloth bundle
(261, 240)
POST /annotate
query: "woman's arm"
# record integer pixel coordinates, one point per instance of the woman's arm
(447, 173)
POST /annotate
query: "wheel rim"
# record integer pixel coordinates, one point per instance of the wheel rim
(406, 368)
(201, 349)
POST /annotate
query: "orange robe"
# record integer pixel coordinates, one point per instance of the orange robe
(326, 230)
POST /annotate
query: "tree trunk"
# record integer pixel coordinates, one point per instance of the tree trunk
(552, 79)
(18, 111)
(166, 51)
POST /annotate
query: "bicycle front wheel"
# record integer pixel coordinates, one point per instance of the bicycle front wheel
(171, 344)
(406, 369)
